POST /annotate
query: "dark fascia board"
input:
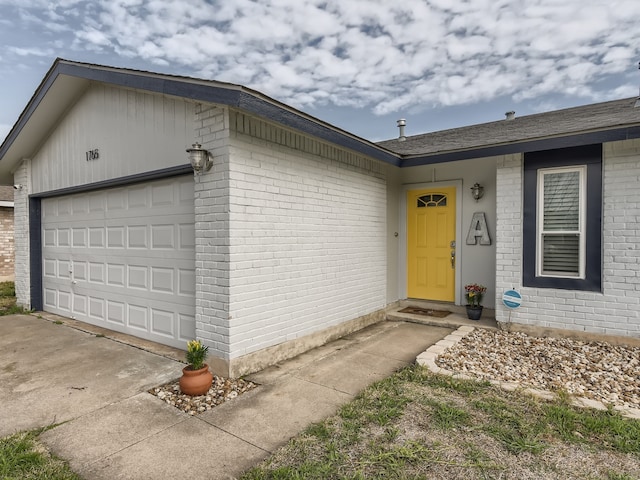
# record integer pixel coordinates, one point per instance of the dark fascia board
(603, 136)
(225, 94)
(31, 107)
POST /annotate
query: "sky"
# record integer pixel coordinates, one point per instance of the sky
(357, 64)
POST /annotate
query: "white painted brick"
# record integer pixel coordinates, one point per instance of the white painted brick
(305, 235)
(21, 234)
(613, 311)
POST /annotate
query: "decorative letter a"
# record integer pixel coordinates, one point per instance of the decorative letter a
(477, 229)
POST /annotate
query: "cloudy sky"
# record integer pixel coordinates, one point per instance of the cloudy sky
(359, 64)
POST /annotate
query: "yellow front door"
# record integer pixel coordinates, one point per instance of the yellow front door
(431, 234)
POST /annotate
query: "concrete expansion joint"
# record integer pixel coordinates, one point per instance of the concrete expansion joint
(428, 359)
(248, 442)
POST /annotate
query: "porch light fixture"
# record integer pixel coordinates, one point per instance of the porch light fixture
(477, 191)
(199, 158)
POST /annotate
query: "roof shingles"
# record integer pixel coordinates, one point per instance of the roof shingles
(598, 116)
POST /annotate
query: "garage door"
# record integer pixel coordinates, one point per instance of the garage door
(124, 258)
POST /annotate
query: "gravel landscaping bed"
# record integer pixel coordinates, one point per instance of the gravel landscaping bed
(221, 390)
(596, 370)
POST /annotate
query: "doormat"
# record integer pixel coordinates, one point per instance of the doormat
(426, 311)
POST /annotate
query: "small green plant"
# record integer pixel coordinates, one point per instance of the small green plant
(8, 304)
(7, 289)
(196, 354)
(56, 322)
(446, 415)
(474, 293)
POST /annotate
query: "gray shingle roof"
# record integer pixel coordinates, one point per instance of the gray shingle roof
(589, 118)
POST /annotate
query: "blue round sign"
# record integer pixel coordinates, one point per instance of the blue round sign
(511, 299)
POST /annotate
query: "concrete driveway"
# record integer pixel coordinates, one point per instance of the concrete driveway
(114, 429)
(51, 373)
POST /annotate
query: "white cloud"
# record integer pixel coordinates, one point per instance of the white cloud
(386, 56)
(30, 51)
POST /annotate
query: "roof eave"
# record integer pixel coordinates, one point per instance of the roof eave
(72, 78)
(524, 146)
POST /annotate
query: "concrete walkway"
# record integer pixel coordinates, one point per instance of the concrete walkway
(115, 430)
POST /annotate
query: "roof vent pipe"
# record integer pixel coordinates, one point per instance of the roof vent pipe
(510, 115)
(401, 124)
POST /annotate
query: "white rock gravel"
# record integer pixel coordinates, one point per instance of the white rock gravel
(222, 389)
(596, 370)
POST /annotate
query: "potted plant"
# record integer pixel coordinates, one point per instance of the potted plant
(474, 293)
(196, 378)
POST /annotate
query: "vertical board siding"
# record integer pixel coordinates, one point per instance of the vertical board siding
(134, 132)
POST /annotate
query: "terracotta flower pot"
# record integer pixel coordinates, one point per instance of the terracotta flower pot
(195, 382)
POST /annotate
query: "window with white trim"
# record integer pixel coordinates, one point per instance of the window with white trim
(561, 222)
(562, 218)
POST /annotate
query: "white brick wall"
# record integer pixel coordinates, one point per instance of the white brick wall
(615, 311)
(21, 234)
(508, 227)
(212, 232)
(307, 241)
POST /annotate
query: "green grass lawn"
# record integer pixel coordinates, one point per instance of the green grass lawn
(8, 299)
(418, 425)
(22, 457)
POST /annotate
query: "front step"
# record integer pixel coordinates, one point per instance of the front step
(456, 318)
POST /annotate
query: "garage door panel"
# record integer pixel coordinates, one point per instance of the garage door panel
(50, 268)
(138, 317)
(187, 324)
(64, 301)
(124, 258)
(50, 298)
(96, 309)
(116, 312)
(97, 273)
(79, 206)
(80, 269)
(186, 237)
(64, 238)
(186, 282)
(163, 322)
(97, 237)
(137, 237)
(64, 269)
(80, 304)
(49, 238)
(64, 206)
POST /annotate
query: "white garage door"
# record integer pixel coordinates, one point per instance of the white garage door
(124, 259)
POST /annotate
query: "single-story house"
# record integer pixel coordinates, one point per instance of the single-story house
(279, 231)
(6, 234)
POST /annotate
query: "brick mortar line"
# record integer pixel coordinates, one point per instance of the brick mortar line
(428, 360)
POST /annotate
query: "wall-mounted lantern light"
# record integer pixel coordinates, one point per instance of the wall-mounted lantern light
(199, 158)
(477, 191)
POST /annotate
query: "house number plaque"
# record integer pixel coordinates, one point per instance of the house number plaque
(92, 154)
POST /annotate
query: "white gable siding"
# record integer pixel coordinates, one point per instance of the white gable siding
(134, 132)
(307, 240)
(615, 311)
